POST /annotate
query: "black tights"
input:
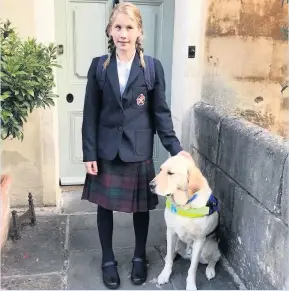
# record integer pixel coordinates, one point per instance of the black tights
(105, 229)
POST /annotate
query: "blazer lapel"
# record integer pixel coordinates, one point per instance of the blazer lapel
(134, 71)
(113, 78)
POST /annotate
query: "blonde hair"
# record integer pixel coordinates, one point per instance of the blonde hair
(133, 12)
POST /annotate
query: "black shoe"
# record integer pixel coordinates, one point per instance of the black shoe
(110, 275)
(139, 271)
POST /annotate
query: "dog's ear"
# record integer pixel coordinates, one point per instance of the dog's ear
(180, 197)
(195, 179)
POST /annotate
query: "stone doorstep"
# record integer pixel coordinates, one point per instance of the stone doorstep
(4, 208)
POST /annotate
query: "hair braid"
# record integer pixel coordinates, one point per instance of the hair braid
(140, 50)
(111, 48)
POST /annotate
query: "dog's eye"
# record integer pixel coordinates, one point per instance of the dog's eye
(170, 173)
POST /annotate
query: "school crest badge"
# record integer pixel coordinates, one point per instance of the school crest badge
(140, 100)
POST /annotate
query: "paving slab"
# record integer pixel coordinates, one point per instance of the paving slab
(84, 233)
(39, 282)
(84, 271)
(47, 257)
(222, 281)
(72, 203)
(40, 250)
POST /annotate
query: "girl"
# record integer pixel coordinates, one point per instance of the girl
(119, 120)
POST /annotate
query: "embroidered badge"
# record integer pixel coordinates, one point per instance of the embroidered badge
(140, 100)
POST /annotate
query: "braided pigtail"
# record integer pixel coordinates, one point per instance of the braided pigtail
(111, 46)
(140, 50)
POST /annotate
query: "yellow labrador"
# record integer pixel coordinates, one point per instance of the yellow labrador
(190, 222)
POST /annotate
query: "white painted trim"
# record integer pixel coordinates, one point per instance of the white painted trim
(189, 29)
(67, 181)
(44, 19)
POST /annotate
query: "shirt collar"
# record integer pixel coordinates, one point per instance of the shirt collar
(125, 64)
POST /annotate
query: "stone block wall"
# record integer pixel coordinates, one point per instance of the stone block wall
(248, 170)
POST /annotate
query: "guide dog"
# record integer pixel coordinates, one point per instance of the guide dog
(191, 217)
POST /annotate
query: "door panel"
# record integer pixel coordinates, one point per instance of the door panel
(83, 36)
(86, 36)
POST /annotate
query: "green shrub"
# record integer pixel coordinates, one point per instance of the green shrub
(27, 79)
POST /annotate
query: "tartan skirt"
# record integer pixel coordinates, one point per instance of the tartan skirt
(121, 186)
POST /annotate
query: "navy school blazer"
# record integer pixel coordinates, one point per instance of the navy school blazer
(125, 125)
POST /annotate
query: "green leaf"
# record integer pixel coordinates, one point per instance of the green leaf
(5, 116)
(5, 95)
(50, 101)
(2, 74)
(56, 65)
(31, 92)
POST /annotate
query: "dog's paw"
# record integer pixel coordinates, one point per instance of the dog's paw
(164, 276)
(210, 272)
(191, 283)
(191, 287)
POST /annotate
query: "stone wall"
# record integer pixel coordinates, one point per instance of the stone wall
(246, 61)
(248, 170)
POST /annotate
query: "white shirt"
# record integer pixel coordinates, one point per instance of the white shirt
(123, 69)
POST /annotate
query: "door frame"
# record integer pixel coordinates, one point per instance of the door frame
(186, 74)
(61, 39)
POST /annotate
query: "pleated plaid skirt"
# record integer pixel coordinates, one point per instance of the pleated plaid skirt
(121, 186)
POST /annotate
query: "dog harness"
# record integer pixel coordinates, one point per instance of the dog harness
(211, 207)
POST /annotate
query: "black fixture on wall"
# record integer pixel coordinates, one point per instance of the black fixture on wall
(191, 51)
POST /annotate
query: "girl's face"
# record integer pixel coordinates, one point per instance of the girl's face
(124, 32)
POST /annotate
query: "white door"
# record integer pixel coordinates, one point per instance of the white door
(81, 32)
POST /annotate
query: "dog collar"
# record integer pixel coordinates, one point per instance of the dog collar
(192, 198)
(212, 206)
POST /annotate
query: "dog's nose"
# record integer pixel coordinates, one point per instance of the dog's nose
(152, 185)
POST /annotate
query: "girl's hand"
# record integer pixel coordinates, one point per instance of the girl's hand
(91, 168)
(185, 154)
